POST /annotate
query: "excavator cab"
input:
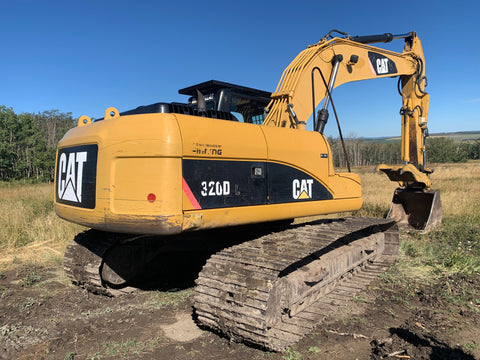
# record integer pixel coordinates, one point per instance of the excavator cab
(216, 100)
(216, 95)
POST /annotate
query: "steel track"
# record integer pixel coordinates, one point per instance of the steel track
(83, 260)
(235, 288)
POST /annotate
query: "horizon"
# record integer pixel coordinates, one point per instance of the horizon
(398, 137)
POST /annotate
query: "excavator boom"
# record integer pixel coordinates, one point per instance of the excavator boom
(332, 62)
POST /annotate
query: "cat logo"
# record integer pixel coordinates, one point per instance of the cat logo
(70, 175)
(382, 66)
(302, 189)
(76, 174)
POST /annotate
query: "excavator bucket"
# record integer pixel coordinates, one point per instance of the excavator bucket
(420, 209)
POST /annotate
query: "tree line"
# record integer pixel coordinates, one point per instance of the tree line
(364, 153)
(28, 143)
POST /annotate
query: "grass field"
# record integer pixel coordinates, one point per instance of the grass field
(455, 246)
(29, 228)
(458, 183)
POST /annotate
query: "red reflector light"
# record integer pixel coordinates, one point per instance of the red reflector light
(151, 197)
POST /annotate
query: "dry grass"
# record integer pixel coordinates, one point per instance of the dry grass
(377, 192)
(459, 185)
(29, 228)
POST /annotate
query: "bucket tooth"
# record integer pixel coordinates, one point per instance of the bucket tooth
(420, 209)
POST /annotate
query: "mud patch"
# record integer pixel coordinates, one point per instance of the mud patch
(183, 330)
(414, 341)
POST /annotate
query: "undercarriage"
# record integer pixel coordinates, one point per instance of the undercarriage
(269, 291)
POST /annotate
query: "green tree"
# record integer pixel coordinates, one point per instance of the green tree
(443, 149)
(32, 149)
(8, 137)
(28, 143)
(54, 125)
(361, 152)
(474, 150)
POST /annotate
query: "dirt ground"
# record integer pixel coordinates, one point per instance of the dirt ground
(43, 316)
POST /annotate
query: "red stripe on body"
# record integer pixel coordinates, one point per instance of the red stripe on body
(190, 196)
(371, 67)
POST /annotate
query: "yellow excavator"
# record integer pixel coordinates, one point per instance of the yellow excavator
(231, 156)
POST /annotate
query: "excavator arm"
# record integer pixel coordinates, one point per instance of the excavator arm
(316, 71)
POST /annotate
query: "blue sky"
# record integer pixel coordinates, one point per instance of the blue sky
(84, 56)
